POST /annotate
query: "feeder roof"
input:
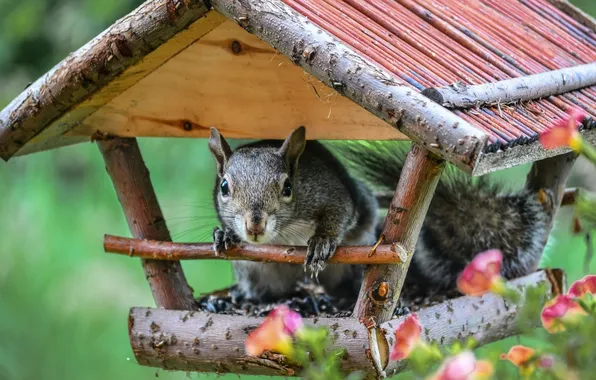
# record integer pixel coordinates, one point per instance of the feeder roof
(379, 54)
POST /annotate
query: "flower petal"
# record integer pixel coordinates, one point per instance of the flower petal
(564, 132)
(267, 336)
(459, 367)
(555, 137)
(577, 115)
(483, 370)
(480, 274)
(583, 286)
(518, 355)
(407, 335)
(275, 333)
(560, 309)
(291, 319)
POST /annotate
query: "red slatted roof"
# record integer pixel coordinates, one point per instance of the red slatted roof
(429, 43)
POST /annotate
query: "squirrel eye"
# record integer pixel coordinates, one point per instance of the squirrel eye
(287, 189)
(225, 188)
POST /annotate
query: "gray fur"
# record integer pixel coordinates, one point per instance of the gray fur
(327, 208)
(466, 216)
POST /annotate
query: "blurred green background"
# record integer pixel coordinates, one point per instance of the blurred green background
(63, 301)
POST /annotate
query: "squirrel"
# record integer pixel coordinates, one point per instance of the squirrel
(465, 217)
(296, 192)
(293, 192)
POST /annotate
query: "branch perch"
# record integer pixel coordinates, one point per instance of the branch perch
(529, 87)
(204, 342)
(165, 250)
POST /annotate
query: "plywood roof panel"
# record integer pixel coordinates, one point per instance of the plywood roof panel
(232, 80)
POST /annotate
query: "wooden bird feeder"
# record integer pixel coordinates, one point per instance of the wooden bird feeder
(469, 82)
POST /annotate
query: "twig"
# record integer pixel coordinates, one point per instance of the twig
(589, 252)
(163, 250)
(517, 89)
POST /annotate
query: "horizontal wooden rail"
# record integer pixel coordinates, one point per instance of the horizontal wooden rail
(206, 342)
(163, 250)
(529, 87)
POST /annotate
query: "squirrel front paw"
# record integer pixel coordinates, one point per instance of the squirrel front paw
(224, 239)
(319, 251)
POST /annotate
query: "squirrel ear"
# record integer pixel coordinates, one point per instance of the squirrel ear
(220, 149)
(293, 147)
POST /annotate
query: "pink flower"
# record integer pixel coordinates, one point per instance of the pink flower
(482, 274)
(564, 132)
(275, 333)
(527, 361)
(561, 309)
(546, 361)
(519, 355)
(583, 286)
(407, 335)
(463, 366)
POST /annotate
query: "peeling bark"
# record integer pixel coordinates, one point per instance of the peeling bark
(516, 89)
(130, 177)
(90, 68)
(165, 250)
(198, 341)
(339, 67)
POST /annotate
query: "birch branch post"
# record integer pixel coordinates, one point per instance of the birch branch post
(164, 250)
(382, 284)
(524, 88)
(130, 177)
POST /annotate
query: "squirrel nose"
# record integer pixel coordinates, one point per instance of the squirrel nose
(255, 228)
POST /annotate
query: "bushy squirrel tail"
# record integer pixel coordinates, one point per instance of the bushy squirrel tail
(466, 216)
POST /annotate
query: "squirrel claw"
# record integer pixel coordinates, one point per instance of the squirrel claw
(224, 240)
(319, 251)
(218, 241)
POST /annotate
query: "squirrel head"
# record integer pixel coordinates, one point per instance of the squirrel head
(254, 191)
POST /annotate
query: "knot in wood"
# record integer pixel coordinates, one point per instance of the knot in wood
(380, 293)
(383, 290)
(236, 47)
(175, 8)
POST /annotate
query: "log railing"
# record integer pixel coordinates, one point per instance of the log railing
(199, 341)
